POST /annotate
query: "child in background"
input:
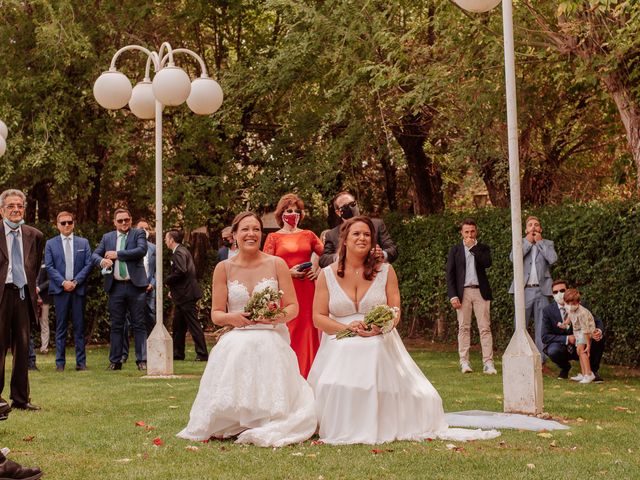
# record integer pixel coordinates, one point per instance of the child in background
(583, 325)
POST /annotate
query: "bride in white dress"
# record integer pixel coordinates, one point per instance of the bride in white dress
(251, 386)
(368, 389)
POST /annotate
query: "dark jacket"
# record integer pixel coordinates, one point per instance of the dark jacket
(457, 269)
(182, 280)
(382, 237)
(43, 284)
(133, 255)
(551, 333)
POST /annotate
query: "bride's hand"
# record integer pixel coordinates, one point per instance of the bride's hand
(375, 330)
(355, 326)
(239, 319)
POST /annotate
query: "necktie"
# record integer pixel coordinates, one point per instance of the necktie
(68, 259)
(122, 267)
(563, 312)
(17, 265)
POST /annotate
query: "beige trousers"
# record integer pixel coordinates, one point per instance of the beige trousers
(44, 327)
(473, 301)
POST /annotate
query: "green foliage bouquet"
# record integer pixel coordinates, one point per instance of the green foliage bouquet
(382, 316)
(265, 305)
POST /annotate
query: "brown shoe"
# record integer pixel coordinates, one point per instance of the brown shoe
(12, 471)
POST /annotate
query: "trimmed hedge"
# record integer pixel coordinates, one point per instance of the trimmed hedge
(598, 248)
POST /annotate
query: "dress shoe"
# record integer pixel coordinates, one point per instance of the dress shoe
(115, 366)
(81, 368)
(4, 409)
(142, 366)
(25, 406)
(175, 357)
(12, 471)
(597, 378)
(60, 368)
(564, 374)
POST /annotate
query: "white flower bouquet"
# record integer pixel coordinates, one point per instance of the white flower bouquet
(265, 305)
(382, 316)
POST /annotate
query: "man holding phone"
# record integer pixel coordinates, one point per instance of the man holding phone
(346, 207)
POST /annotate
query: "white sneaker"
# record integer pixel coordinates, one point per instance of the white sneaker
(465, 367)
(588, 378)
(577, 378)
(489, 368)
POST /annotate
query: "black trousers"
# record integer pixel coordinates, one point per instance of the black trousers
(185, 318)
(562, 355)
(15, 315)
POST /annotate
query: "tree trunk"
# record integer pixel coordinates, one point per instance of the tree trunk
(411, 135)
(497, 187)
(390, 178)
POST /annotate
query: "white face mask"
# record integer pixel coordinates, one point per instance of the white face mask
(559, 298)
(573, 308)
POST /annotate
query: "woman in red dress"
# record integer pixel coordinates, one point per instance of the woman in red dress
(295, 246)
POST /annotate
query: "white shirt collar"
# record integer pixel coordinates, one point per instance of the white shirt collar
(8, 229)
(70, 236)
(175, 248)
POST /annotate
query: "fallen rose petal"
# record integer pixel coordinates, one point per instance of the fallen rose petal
(148, 428)
(158, 441)
(191, 448)
(317, 442)
(29, 438)
(140, 423)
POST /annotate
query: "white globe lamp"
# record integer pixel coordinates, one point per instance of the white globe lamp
(4, 131)
(3, 146)
(205, 97)
(171, 86)
(112, 90)
(143, 103)
(477, 6)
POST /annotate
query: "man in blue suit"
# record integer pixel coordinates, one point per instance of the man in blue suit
(67, 258)
(120, 254)
(538, 256)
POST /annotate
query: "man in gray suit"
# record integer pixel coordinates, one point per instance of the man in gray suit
(538, 255)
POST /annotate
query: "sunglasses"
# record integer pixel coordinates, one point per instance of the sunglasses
(291, 210)
(123, 220)
(562, 290)
(352, 205)
(64, 223)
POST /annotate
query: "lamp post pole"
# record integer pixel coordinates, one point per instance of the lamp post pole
(521, 362)
(171, 86)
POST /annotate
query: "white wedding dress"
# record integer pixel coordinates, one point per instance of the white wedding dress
(368, 389)
(251, 386)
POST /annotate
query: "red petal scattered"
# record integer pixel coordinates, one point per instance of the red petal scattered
(317, 442)
(375, 451)
(158, 441)
(28, 438)
(205, 441)
(148, 428)
(140, 423)
(429, 439)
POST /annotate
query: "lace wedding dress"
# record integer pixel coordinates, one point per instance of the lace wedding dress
(251, 386)
(369, 389)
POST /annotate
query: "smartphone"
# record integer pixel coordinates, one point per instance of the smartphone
(304, 266)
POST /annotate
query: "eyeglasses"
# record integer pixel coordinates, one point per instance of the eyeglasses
(123, 220)
(14, 206)
(64, 223)
(562, 290)
(351, 204)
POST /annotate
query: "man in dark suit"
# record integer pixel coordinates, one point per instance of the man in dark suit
(228, 249)
(185, 292)
(346, 207)
(67, 258)
(121, 257)
(560, 344)
(468, 289)
(20, 259)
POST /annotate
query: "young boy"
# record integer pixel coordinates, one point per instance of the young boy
(583, 325)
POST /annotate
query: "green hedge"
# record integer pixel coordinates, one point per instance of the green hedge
(598, 248)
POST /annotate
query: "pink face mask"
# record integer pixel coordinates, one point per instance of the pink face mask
(291, 219)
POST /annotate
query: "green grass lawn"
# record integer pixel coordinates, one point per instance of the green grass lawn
(87, 429)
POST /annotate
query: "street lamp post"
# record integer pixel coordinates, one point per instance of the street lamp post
(171, 86)
(521, 362)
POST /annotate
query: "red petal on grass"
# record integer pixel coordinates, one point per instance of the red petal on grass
(317, 442)
(140, 423)
(28, 438)
(158, 441)
(376, 451)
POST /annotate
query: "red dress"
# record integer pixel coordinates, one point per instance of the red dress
(296, 248)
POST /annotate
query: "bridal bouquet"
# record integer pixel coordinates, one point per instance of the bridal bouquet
(382, 316)
(265, 305)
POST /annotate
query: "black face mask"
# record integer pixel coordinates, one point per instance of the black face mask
(349, 210)
(227, 243)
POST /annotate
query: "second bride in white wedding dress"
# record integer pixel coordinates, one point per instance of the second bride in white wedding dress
(368, 389)
(251, 387)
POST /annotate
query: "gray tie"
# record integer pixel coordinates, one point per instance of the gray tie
(17, 266)
(68, 259)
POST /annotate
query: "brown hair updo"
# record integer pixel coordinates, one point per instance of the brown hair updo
(241, 216)
(370, 262)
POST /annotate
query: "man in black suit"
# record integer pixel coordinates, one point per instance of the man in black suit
(468, 289)
(20, 259)
(346, 207)
(560, 344)
(185, 292)
(121, 256)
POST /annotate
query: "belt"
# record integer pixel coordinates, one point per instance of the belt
(532, 285)
(12, 286)
(121, 281)
(472, 286)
